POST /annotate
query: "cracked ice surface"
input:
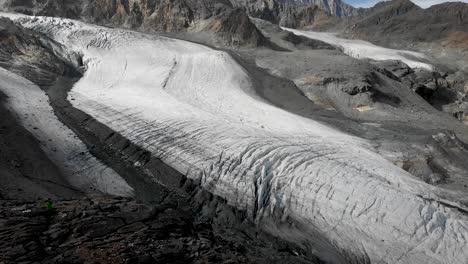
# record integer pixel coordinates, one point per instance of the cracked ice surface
(365, 50)
(195, 108)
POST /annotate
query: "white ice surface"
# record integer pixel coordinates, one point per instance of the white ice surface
(195, 108)
(365, 50)
(61, 145)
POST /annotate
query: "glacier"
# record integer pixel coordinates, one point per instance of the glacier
(196, 109)
(61, 145)
(361, 49)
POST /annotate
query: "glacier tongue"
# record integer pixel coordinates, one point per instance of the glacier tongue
(195, 108)
(365, 50)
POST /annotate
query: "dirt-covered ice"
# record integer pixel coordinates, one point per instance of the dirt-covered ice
(366, 50)
(60, 144)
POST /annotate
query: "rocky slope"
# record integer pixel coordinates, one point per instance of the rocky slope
(192, 15)
(402, 21)
(333, 7)
(116, 230)
(23, 50)
(441, 30)
(296, 14)
(276, 8)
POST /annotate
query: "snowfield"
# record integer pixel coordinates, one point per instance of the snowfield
(60, 144)
(196, 109)
(365, 50)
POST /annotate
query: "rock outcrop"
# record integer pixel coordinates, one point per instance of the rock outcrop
(401, 21)
(296, 14)
(118, 230)
(333, 7)
(23, 50)
(275, 9)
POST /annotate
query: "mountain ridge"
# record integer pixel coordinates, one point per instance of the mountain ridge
(210, 16)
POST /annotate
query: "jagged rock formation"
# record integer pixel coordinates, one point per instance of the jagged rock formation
(333, 7)
(275, 9)
(296, 14)
(399, 21)
(22, 49)
(217, 16)
(446, 92)
(442, 29)
(116, 230)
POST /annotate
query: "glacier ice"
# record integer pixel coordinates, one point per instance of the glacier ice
(195, 108)
(365, 50)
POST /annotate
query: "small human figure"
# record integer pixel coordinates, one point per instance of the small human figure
(49, 204)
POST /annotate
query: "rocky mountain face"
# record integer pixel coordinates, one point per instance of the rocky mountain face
(296, 13)
(286, 14)
(399, 21)
(333, 7)
(22, 49)
(119, 230)
(193, 15)
(215, 16)
(441, 30)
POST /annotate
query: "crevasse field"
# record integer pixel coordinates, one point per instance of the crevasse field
(195, 108)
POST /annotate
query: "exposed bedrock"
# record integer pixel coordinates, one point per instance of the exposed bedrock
(297, 14)
(271, 8)
(445, 23)
(444, 91)
(119, 230)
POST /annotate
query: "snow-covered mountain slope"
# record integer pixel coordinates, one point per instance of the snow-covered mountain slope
(60, 144)
(365, 50)
(195, 108)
